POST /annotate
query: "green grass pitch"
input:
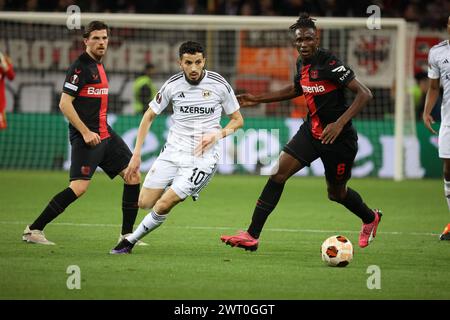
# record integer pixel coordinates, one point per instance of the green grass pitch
(186, 260)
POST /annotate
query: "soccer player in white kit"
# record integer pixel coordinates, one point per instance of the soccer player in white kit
(439, 72)
(188, 160)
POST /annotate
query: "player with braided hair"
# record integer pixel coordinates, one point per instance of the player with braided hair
(327, 134)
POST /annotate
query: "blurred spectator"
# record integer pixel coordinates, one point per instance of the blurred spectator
(192, 7)
(6, 71)
(144, 90)
(332, 8)
(248, 8)
(267, 8)
(411, 13)
(62, 5)
(228, 7)
(358, 8)
(31, 5)
(294, 7)
(436, 14)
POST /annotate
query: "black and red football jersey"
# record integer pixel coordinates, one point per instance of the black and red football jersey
(322, 80)
(86, 81)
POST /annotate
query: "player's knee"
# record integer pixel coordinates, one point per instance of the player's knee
(336, 195)
(279, 177)
(143, 204)
(332, 197)
(79, 188)
(163, 206)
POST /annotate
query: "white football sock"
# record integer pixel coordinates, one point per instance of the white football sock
(447, 192)
(150, 222)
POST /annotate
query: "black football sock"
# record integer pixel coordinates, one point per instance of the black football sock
(130, 206)
(355, 204)
(54, 208)
(264, 206)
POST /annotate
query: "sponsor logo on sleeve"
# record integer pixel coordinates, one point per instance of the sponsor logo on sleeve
(345, 75)
(339, 69)
(158, 98)
(74, 79)
(70, 86)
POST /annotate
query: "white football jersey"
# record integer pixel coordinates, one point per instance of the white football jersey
(439, 68)
(197, 109)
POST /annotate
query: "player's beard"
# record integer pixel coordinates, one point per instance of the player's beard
(98, 54)
(194, 82)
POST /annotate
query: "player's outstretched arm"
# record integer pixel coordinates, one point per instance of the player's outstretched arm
(144, 127)
(363, 95)
(250, 100)
(430, 101)
(208, 140)
(67, 108)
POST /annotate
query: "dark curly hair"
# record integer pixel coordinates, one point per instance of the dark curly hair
(304, 21)
(191, 47)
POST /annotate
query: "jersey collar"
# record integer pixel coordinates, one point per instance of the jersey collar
(85, 56)
(196, 83)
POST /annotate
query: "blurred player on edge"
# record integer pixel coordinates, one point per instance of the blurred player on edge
(6, 71)
(439, 71)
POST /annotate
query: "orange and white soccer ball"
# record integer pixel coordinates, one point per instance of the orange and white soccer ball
(337, 251)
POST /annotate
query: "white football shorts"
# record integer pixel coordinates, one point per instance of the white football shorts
(186, 174)
(444, 142)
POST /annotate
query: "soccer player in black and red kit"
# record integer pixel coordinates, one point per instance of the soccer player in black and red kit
(84, 102)
(327, 134)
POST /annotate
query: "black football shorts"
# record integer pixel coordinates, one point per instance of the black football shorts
(337, 158)
(112, 155)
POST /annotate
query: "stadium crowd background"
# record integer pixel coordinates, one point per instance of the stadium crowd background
(430, 14)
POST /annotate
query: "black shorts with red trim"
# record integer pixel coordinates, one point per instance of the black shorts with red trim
(337, 158)
(112, 155)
